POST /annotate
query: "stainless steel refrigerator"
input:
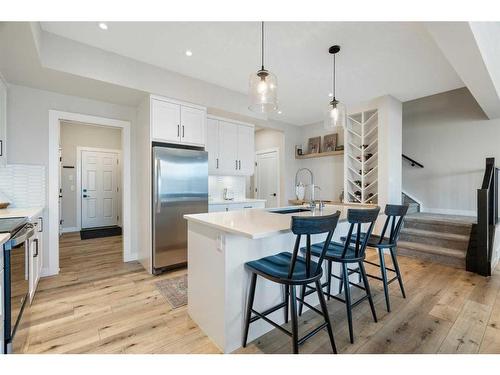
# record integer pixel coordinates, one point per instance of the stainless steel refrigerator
(180, 186)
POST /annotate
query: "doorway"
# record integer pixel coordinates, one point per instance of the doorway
(57, 120)
(267, 177)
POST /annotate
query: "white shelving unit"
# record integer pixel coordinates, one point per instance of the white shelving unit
(361, 162)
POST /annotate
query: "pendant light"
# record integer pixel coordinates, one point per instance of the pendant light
(263, 86)
(335, 112)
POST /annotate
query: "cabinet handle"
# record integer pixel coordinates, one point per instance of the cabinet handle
(41, 224)
(1, 147)
(178, 130)
(236, 167)
(217, 165)
(36, 247)
(239, 162)
(247, 207)
(182, 131)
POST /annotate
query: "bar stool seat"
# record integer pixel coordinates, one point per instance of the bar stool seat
(277, 266)
(335, 251)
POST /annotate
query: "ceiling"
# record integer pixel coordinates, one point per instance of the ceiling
(377, 58)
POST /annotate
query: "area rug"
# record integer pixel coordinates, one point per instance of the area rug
(174, 290)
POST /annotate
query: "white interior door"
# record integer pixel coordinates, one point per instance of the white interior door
(100, 189)
(267, 178)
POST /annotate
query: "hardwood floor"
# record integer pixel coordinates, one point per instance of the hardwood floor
(98, 304)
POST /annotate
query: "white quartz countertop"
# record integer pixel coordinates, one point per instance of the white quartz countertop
(3, 238)
(261, 223)
(29, 212)
(235, 201)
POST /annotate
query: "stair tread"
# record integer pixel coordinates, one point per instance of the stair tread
(435, 234)
(417, 246)
(439, 219)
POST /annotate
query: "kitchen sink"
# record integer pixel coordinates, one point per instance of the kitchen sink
(290, 210)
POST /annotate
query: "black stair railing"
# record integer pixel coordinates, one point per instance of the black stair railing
(480, 249)
(412, 162)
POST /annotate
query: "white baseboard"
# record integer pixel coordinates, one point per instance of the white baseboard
(70, 230)
(44, 272)
(130, 257)
(447, 211)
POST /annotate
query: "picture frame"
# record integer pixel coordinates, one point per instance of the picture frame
(330, 142)
(314, 145)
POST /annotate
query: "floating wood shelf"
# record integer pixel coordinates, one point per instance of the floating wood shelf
(320, 154)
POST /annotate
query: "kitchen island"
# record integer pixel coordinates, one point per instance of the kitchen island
(219, 245)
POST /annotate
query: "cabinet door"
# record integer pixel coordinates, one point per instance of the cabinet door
(228, 148)
(34, 265)
(193, 126)
(246, 150)
(166, 121)
(3, 123)
(213, 146)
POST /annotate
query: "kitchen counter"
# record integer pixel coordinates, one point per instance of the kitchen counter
(235, 201)
(219, 245)
(29, 212)
(260, 223)
(4, 237)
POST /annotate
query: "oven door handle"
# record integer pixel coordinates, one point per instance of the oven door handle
(22, 237)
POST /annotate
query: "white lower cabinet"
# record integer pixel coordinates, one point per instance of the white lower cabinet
(35, 258)
(222, 207)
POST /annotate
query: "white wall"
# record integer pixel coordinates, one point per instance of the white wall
(450, 135)
(28, 124)
(80, 135)
(328, 171)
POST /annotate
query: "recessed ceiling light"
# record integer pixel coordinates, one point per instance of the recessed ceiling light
(330, 94)
(189, 53)
(103, 25)
(279, 112)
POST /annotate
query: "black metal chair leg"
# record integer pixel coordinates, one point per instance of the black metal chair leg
(383, 271)
(302, 296)
(324, 309)
(398, 272)
(347, 289)
(295, 322)
(341, 281)
(329, 279)
(285, 299)
(368, 292)
(251, 296)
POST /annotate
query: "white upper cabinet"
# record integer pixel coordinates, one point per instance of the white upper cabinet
(3, 122)
(175, 122)
(213, 145)
(231, 148)
(193, 126)
(246, 150)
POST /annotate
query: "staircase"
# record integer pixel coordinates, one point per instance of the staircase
(413, 205)
(436, 238)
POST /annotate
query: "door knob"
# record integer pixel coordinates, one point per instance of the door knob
(85, 195)
(273, 194)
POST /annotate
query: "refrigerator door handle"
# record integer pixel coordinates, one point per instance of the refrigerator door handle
(158, 185)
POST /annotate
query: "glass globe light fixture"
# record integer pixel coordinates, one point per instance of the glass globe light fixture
(335, 114)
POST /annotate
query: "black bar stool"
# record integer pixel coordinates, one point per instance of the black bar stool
(394, 222)
(348, 253)
(291, 270)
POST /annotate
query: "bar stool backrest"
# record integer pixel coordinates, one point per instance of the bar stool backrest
(308, 225)
(395, 214)
(357, 217)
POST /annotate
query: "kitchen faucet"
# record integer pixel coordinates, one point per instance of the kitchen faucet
(311, 185)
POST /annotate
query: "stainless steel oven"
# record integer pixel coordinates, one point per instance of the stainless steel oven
(16, 283)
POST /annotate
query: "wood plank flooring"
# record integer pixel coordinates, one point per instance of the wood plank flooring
(98, 304)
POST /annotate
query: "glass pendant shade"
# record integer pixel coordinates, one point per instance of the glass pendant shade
(335, 115)
(263, 92)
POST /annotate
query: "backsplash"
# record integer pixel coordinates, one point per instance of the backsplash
(23, 185)
(217, 184)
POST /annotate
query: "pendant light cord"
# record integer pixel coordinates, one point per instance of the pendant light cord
(333, 83)
(262, 46)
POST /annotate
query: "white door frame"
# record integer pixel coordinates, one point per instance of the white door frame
(55, 118)
(278, 175)
(79, 150)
